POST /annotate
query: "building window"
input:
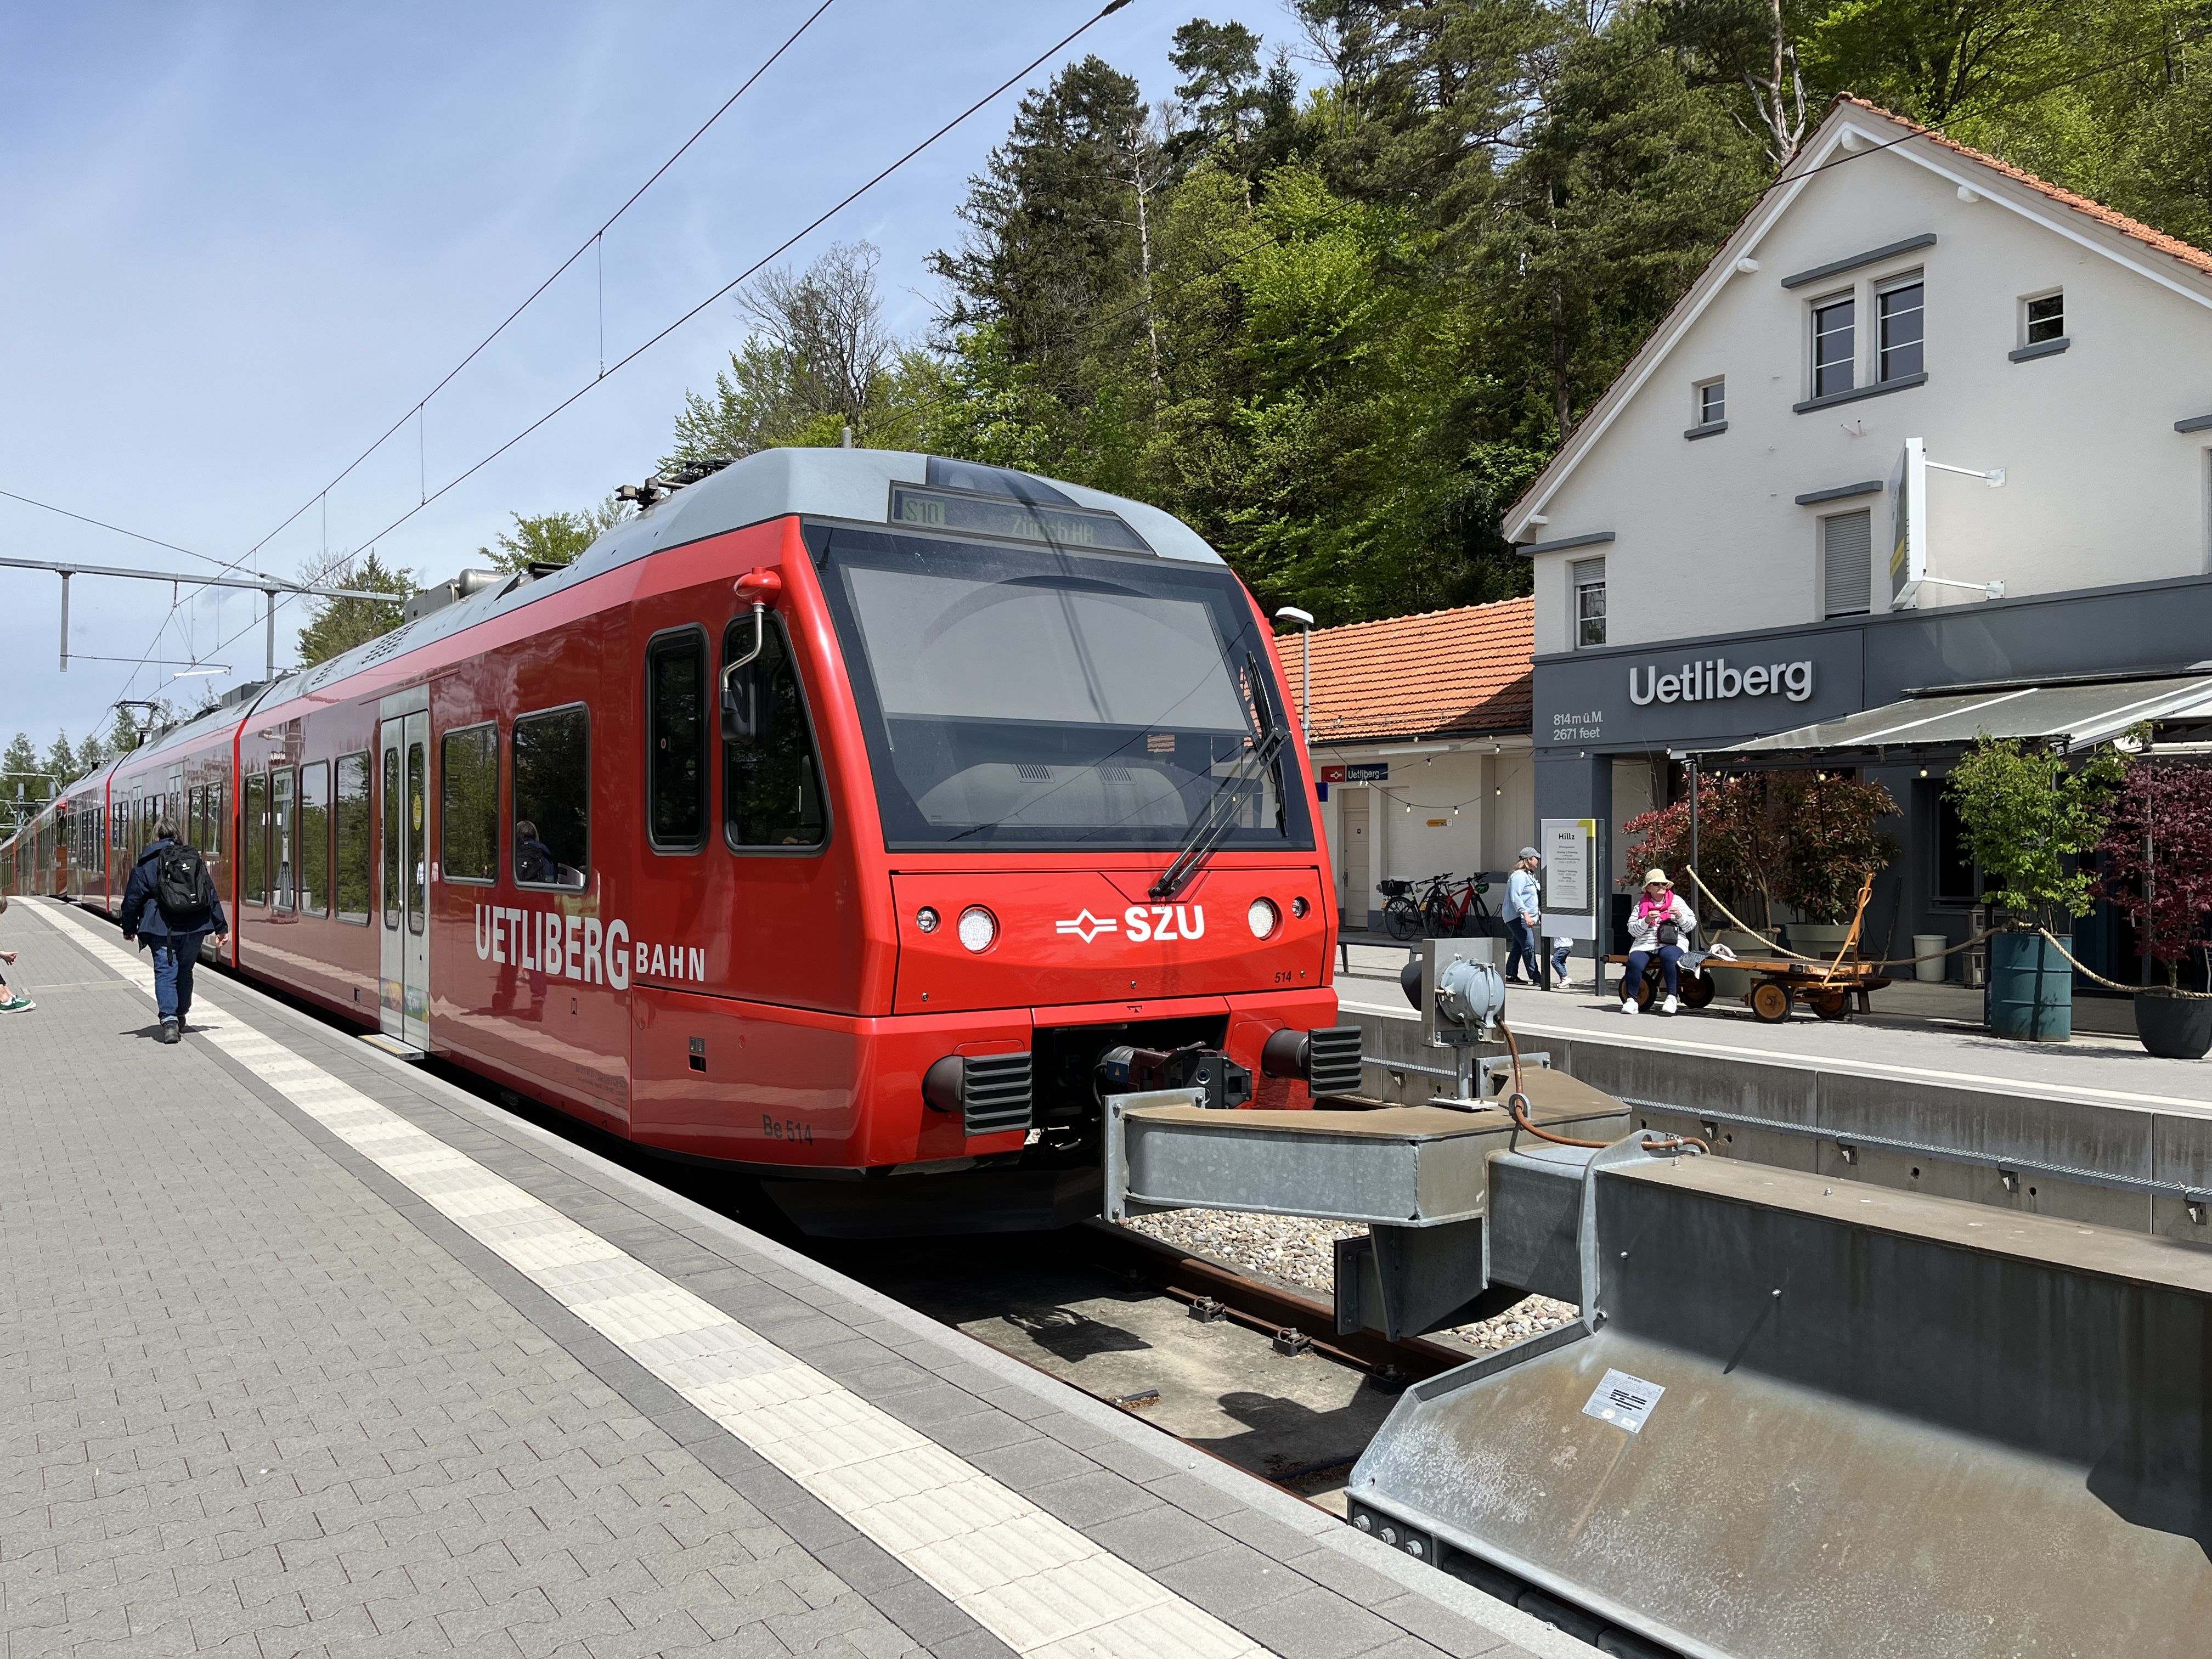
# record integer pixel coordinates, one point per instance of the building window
(1589, 578)
(1901, 331)
(2047, 319)
(1957, 880)
(1835, 346)
(468, 811)
(1712, 402)
(1846, 562)
(553, 799)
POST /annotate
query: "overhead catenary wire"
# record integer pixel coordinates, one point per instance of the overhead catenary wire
(588, 244)
(746, 275)
(414, 411)
(595, 242)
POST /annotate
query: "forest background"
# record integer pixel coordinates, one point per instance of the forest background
(1336, 297)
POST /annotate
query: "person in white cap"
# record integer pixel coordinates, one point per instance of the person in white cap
(1659, 926)
(1524, 914)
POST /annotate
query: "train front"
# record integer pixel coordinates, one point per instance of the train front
(1098, 836)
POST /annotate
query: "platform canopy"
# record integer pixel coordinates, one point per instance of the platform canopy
(2076, 713)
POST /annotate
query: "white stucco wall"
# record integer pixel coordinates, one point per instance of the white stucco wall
(2100, 488)
(1493, 794)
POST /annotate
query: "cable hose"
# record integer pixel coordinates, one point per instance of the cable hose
(1517, 1105)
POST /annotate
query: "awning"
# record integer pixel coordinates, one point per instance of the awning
(2077, 715)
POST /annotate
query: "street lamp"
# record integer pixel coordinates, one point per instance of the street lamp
(1291, 613)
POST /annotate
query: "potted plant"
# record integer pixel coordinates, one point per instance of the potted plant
(2027, 818)
(1827, 837)
(2158, 870)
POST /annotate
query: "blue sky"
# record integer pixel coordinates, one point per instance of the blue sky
(242, 240)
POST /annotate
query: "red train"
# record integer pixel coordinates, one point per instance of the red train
(836, 817)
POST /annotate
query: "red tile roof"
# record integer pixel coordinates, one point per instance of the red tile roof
(2135, 229)
(1444, 672)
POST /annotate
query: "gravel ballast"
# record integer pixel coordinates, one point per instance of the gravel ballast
(1300, 1251)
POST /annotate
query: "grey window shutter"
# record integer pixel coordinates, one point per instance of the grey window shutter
(1847, 544)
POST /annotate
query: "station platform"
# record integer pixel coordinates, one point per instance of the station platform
(308, 1352)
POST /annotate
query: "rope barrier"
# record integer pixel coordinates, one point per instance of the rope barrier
(1884, 962)
(2113, 984)
(1987, 933)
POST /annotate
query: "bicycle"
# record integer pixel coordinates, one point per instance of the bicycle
(1402, 916)
(1449, 912)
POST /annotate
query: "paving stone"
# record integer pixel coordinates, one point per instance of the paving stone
(258, 1394)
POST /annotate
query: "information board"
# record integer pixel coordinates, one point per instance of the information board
(1568, 848)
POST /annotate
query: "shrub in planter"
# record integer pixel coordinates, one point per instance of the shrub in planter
(2028, 817)
(1829, 838)
(1736, 850)
(2158, 870)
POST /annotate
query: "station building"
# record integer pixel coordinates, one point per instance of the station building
(1925, 451)
(1421, 747)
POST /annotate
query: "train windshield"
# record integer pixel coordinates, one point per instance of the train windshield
(1044, 697)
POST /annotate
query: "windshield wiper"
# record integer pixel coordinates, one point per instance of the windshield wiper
(1209, 829)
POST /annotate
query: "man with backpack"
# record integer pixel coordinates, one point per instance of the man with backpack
(170, 906)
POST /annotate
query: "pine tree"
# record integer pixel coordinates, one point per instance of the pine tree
(337, 626)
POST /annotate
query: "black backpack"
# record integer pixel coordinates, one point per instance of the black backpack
(183, 887)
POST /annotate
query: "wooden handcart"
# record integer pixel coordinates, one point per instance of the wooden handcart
(1777, 983)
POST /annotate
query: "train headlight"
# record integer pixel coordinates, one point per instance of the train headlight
(979, 928)
(926, 920)
(1263, 918)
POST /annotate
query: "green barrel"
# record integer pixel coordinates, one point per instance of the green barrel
(2030, 987)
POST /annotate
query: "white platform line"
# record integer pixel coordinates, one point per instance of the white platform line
(1028, 1578)
(2080, 1093)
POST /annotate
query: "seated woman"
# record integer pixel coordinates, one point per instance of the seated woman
(1658, 927)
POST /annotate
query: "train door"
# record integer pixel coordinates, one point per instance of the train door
(403, 745)
(1351, 820)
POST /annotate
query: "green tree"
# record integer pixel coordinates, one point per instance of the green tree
(337, 626)
(61, 760)
(819, 359)
(2028, 817)
(552, 537)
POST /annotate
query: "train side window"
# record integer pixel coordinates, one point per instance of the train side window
(418, 852)
(468, 807)
(771, 777)
(392, 839)
(194, 807)
(356, 844)
(256, 838)
(216, 834)
(283, 836)
(552, 798)
(676, 752)
(314, 842)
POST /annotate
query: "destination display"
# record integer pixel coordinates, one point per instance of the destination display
(1029, 521)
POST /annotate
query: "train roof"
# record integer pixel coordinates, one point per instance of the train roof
(853, 485)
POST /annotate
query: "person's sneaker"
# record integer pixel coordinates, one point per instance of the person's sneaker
(1628, 1004)
(168, 1031)
(17, 1005)
(1670, 1004)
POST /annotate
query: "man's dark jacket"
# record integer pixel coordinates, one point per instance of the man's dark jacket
(142, 905)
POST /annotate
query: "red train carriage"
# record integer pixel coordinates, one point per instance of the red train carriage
(839, 816)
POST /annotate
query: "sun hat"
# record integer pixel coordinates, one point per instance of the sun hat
(1657, 879)
(1531, 853)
